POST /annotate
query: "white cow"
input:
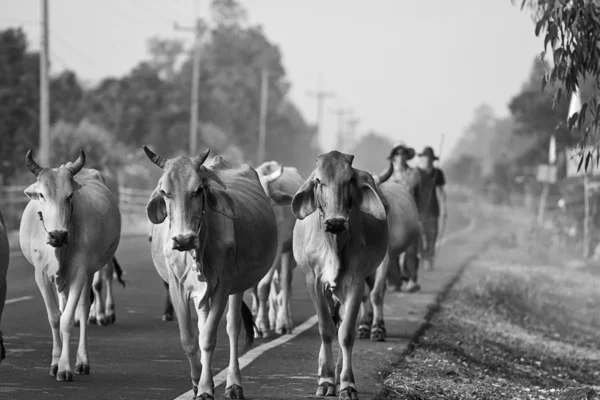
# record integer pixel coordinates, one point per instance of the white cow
(280, 184)
(69, 230)
(215, 236)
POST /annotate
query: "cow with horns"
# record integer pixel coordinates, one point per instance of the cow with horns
(215, 236)
(340, 239)
(70, 229)
(274, 291)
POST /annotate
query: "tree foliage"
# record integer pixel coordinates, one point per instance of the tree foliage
(151, 103)
(571, 30)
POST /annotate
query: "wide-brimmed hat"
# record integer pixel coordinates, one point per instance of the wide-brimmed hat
(428, 152)
(410, 152)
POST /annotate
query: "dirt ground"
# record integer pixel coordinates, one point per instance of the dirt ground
(523, 322)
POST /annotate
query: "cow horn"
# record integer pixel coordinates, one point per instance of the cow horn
(275, 175)
(78, 164)
(155, 158)
(201, 158)
(386, 175)
(32, 165)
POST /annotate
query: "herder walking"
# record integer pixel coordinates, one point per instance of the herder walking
(431, 204)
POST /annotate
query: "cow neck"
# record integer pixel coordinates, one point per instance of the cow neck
(198, 254)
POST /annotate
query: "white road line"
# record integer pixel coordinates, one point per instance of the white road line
(17, 299)
(253, 354)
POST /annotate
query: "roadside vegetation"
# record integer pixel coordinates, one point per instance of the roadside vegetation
(523, 322)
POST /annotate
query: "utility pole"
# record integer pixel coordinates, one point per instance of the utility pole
(44, 149)
(341, 112)
(351, 132)
(321, 96)
(198, 31)
(262, 121)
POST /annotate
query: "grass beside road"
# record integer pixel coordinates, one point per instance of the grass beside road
(519, 324)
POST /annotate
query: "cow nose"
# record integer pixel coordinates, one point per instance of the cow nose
(336, 225)
(185, 242)
(58, 238)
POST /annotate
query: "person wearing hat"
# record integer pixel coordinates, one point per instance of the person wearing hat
(399, 171)
(431, 205)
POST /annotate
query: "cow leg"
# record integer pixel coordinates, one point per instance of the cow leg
(264, 286)
(366, 317)
(187, 333)
(273, 300)
(3, 291)
(110, 317)
(323, 303)
(168, 315)
(234, 325)
(254, 294)
(346, 335)
(53, 310)
(66, 325)
(208, 340)
(97, 317)
(378, 331)
(82, 362)
(284, 322)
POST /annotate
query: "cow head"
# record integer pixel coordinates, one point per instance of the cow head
(184, 190)
(54, 190)
(333, 188)
(268, 173)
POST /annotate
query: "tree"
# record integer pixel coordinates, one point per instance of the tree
(572, 29)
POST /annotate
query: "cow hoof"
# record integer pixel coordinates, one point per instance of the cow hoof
(92, 320)
(82, 369)
(108, 319)
(204, 396)
(363, 331)
(234, 392)
(377, 336)
(264, 333)
(349, 394)
(282, 330)
(326, 389)
(167, 317)
(53, 370)
(64, 376)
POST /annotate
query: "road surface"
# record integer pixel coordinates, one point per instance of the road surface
(140, 357)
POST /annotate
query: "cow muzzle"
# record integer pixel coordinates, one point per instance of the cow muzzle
(336, 225)
(186, 242)
(58, 238)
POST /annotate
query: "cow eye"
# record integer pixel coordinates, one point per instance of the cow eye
(197, 191)
(41, 196)
(70, 197)
(164, 194)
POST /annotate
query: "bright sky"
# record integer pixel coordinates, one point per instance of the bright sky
(408, 69)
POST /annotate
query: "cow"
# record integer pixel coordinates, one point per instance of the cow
(219, 240)
(275, 289)
(69, 230)
(340, 239)
(403, 230)
(168, 314)
(4, 260)
(104, 277)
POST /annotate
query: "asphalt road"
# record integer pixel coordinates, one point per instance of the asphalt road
(140, 356)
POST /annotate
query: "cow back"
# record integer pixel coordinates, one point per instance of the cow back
(255, 229)
(402, 215)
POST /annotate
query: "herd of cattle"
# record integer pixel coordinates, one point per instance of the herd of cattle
(218, 230)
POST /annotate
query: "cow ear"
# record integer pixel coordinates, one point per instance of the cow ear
(280, 198)
(304, 202)
(156, 208)
(370, 202)
(32, 192)
(220, 201)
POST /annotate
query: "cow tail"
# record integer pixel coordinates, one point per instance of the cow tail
(337, 320)
(119, 271)
(249, 325)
